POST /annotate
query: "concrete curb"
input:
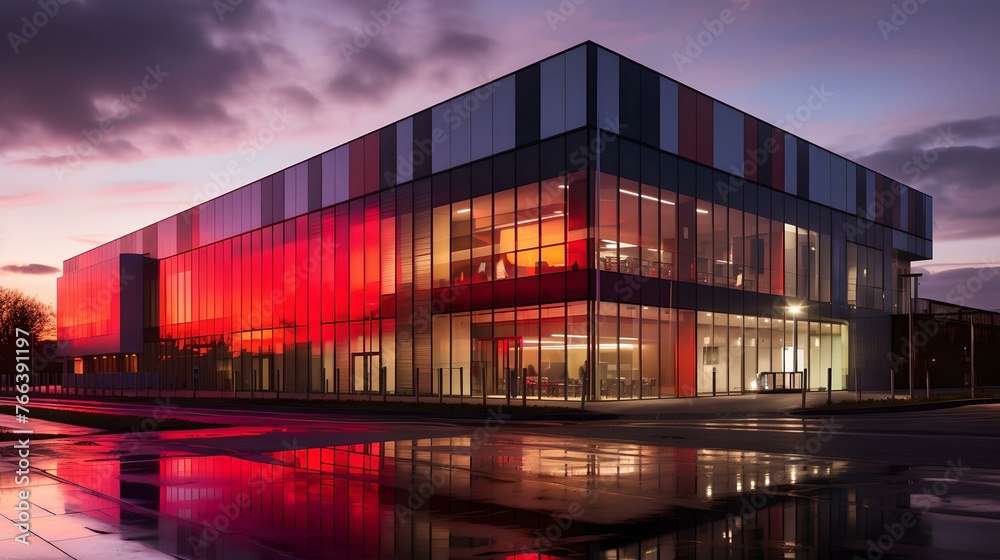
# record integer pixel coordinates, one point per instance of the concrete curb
(443, 414)
(918, 407)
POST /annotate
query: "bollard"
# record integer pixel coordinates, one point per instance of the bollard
(829, 385)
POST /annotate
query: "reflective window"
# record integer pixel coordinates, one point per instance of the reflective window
(553, 96)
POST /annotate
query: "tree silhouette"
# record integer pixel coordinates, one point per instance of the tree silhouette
(20, 311)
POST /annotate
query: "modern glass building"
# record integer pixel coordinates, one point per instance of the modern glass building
(584, 226)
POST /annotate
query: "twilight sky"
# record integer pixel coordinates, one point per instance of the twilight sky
(184, 88)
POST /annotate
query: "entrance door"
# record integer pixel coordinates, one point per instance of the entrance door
(365, 372)
(496, 366)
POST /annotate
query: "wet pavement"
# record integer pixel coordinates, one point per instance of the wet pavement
(402, 488)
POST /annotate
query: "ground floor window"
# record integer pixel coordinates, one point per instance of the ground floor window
(606, 351)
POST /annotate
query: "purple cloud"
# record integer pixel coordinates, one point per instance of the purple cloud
(955, 162)
(30, 269)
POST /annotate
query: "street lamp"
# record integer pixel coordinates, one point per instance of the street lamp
(914, 283)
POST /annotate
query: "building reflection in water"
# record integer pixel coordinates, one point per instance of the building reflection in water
(509, 498)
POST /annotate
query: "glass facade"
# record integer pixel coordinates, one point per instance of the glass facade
(583, 227)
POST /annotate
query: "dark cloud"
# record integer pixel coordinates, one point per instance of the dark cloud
(31, 269)
(429, 38)
(72, 73)
(370, 74)
(462, 44)
(977, 287)
(955, 162)
(297, 96)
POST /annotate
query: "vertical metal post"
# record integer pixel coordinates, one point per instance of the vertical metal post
(461, 381)
(795, 354)
(927, 374)
(714, 369)
(909, 345)
(829, 385)
(912, 296)
(506, 367)
(972, 355)
(440, 385)
(416, 383)
(524, 385)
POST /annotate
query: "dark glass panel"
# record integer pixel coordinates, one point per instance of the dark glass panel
(372, 166)
(357, 168)
(650, 106)
(387, 157)
(629, 106)
(527, 99)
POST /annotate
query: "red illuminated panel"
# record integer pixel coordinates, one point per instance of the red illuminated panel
(686, 353)
(328, 245)
(750, 147)
(778, 159)
(342, 264)
(687, 122)
(357, 168)
(357, 260)
(373, 234)
(289, 279)
(706, 130)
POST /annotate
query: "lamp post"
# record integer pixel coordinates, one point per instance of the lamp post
(912, 292)
(972, 355)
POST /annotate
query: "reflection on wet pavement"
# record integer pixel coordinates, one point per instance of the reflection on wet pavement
(512, 497)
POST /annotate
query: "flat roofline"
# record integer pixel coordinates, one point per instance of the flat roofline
(585, 43)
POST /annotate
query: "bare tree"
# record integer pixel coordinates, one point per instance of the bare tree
(21, 311)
